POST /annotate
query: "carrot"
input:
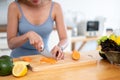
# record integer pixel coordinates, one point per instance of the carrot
(27, 59)
(48, 60)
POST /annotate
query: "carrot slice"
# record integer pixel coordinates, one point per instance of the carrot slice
(27, 59)
(48, 60)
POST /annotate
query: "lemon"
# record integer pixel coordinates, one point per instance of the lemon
(19, 70)
(21, 62)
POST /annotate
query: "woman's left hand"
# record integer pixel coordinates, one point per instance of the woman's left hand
(57, 53)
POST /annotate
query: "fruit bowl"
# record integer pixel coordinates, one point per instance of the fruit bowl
(102, 54)
(113, 57)
(110, 48)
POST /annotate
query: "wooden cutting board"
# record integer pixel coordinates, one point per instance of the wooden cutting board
(36, 65)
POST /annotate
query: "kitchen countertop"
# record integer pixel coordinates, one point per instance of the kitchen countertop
(102, 70)
(82, 39)
(3, 27)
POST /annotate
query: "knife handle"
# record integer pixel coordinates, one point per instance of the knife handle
(57, 54)
(42, 48)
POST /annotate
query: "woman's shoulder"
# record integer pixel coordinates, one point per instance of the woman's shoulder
(57, 5)
(13, 6)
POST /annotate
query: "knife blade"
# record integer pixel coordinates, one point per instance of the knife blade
(46, 53)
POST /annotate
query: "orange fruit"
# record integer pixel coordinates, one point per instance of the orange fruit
(75, 55)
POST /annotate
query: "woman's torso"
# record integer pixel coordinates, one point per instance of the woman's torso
(43, 26)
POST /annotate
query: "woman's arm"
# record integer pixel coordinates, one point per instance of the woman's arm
(61, 28)
(15, 41)
(12, 27)
(57, 51)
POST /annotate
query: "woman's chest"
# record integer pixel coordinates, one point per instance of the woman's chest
(36, 17)
(45, 28)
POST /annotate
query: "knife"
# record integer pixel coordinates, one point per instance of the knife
(46, 53)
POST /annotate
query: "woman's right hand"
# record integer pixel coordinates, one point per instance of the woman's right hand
(35, 40)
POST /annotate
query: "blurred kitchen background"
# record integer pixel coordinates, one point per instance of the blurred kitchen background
(79, 15)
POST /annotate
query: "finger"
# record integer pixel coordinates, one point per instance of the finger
(42, 46)
(54, 55)
(35, 44)
(62, 57)
(32, 42)
(59, 55)
(53, 51)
